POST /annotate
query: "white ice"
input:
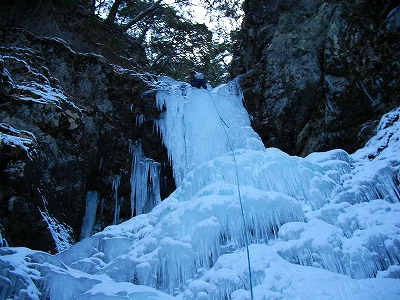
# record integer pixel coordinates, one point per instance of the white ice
(195, 123)
(144, 181)
(321, 227)
(89, 218)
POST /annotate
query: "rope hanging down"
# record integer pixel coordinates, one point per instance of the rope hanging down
(246, 235)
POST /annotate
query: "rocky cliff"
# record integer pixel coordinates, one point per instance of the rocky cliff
(318, 74)
(72, 109)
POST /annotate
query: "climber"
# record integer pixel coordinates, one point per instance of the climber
(199, 81)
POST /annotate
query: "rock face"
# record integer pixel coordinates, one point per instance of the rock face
(318, 74)
(68, 123)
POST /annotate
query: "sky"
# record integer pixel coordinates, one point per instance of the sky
(199, 14)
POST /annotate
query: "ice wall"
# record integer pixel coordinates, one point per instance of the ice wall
(197, 125)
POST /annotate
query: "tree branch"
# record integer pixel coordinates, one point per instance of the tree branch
(113, 12)
(141, 15)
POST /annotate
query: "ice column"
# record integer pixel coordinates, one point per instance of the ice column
(145, 181)
(115, 185)
(89, 219)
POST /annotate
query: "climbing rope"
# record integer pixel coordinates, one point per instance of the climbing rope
(246, 235)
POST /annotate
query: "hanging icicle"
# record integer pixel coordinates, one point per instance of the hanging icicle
(145, 181)
(92, 200)
(117, 203)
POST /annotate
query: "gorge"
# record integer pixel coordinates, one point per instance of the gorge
(82, 148)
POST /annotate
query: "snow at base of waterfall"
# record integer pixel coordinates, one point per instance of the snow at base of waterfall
(326, 226)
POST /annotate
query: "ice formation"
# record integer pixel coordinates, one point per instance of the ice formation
(89, 219)
(62, 233)
(145, 181)
(117, 201)
(322, 227)
(195, 123)
(145, 191)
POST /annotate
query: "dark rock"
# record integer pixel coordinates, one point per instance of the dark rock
(6, 82)
(65, 128)
(318, 74)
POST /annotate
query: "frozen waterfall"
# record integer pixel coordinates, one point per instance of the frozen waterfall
(198, 125)
(326, 226)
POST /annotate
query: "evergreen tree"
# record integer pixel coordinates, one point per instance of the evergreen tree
(175, 45)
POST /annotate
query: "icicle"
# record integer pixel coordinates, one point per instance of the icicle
(117, 204)
(139, 120)
(153, 186)
(144, 181)
(100, 163)
(90, 215)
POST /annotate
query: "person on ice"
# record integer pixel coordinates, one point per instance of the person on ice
(199, 81)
